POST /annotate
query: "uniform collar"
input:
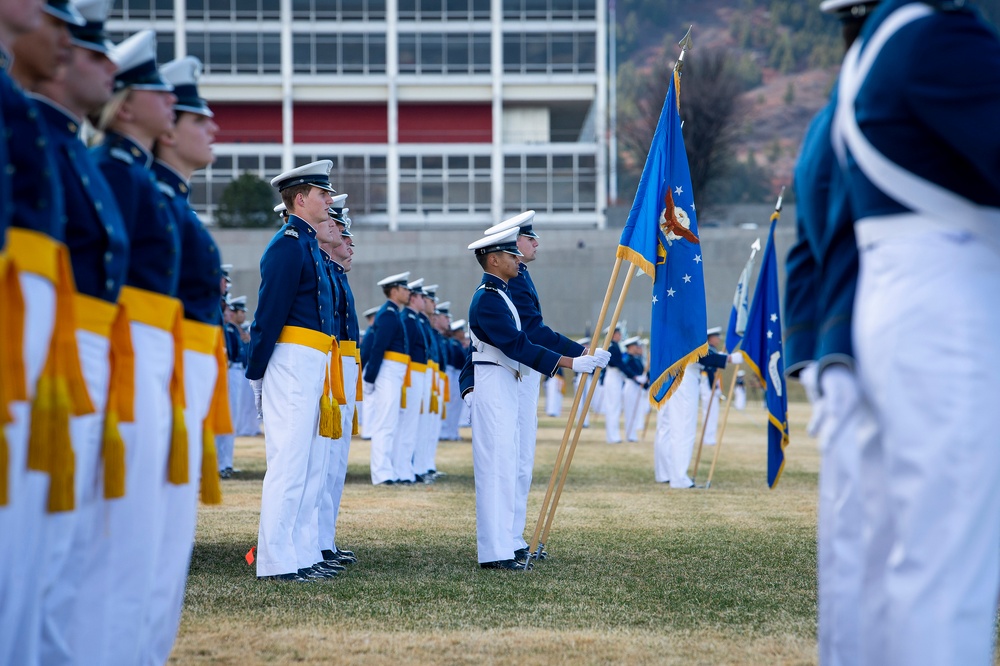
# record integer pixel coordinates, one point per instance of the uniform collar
(169, 175)
(58, 117)
(337, 267)
(489, 278)
(392, 305)
(301, 225)
(125, 143)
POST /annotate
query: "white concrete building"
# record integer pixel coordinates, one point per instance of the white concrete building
(436, 113)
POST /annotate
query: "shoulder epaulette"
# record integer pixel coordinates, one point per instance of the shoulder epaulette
(292, 232)
(166, 189)
(122, 155)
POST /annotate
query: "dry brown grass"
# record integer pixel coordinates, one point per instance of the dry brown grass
(639, 573)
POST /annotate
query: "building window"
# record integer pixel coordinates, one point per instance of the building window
(363, 178)
(237, 52)
(444, 53)
(548, 53)
(208, 184)
(338, 53)
(164, 43)
(143, 9)
(339, 10)
(549, 9)
(233, 10)
(436, 10)
(444, 184)
(550, 183)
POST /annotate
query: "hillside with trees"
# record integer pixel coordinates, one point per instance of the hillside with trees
(757, 73)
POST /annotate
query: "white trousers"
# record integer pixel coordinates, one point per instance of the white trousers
(76, 572)
(494, 460)
(24, 542)
(404, 444)
(710, 419)
(840, 518)
(527, 425)
(336, 473)
(614, 384)
(241, 404)
(224, 447)
(633, 399)
(382, 414)
(449, 428)
(931, 473)
(173, 551)
(136, 521)
(676, 425)
(423, 452)
(293, 384)
(553, 396)
(740, 398)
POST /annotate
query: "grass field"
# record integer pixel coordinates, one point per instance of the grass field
(638, 573)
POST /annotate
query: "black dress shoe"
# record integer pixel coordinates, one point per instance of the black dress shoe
(404, 482)
(508, 565)
(521, 555)
(309, 572)
(345, 557)
(390, 482)
(332, 566)
(288, 577)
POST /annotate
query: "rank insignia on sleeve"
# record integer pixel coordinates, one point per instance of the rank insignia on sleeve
(291, 231)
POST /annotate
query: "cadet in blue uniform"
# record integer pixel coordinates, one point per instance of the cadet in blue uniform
(529, 309)
(408, 430)
(456, 361)
(632, 390)
(822, 270)
(710, 400)
(179, 153)
(612, 385)
(430, 417)
(386, 362)
(918, 98)
(347, 337)
(77, 572)
(290, 342)
(36, 487)
(502, 354)
(238, 386)
(138, 113)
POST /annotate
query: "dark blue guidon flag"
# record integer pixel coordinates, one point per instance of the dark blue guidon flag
(661, 238)
(762, 351)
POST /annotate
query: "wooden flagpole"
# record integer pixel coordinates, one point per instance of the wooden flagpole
(580, 390)
(722, 427)
(704, 427)
(579, 426)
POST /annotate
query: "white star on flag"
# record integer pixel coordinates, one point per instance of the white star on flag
(654, 299)
(678, 191)
(774, 317)
(687, 278)
(697, 258)
(770, 334)
(692, 206)
(670, 292)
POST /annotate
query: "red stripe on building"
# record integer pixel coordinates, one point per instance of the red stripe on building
(341, 123)
(445, 123)
(247, 123)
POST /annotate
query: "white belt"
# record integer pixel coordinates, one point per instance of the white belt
(487, 353)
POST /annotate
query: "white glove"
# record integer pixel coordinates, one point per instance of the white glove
(810, 382)
(736, 358)
(257, 385)
(602, 356)
(467, 398)
(840, 397)
(641, 378)
(586, 364)
(367, 388)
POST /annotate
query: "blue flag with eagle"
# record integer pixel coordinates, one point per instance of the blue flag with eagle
(763, 353)
(661, 238)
